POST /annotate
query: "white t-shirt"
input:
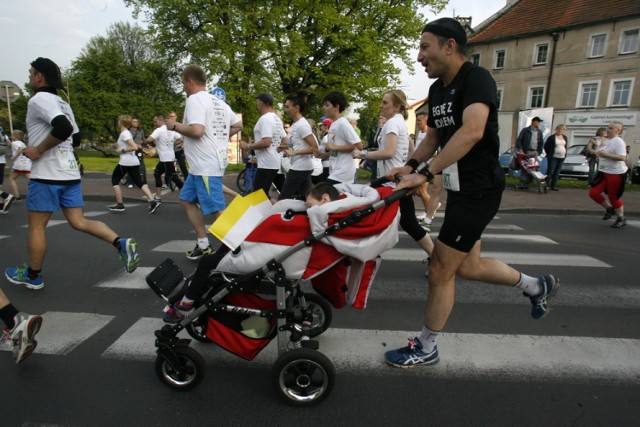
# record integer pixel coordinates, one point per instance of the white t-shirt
(58, 163)
(20, 162)
(395, 125)
(300, 130)
(269, 125)
(326, 163)
(164, 140)
(342, 133)
(615, 145)
(128, 158)
(207, 156)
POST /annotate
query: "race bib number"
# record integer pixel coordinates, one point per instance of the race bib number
(450, 177)
(66, 159)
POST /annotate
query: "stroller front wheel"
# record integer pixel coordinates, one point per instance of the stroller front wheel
(187, 374)
(303, 377)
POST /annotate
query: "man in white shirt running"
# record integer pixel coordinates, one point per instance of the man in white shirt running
(165, 142)
(208, 124)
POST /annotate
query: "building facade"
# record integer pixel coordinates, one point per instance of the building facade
(580, 58)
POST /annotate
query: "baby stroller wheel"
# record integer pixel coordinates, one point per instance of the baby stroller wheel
(197, 330)
(321, 311)
(187, 375)
(303, 377)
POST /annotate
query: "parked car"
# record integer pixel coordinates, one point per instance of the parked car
(635, 172)
(575, 165)
(505, 159)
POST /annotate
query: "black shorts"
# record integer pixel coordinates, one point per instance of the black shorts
(466, 216)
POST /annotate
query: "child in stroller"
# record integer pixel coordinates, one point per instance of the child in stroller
(243, 298)
(530, 172)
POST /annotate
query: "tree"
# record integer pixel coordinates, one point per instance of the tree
(283, 46)
(120, 73)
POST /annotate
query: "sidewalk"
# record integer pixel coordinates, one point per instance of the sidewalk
(97, 186)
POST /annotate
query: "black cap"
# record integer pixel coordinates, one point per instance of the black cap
(266, 98)
(50, 71)
(449, 28)
(537, 119)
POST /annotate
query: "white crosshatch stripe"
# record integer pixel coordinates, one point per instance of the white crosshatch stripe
(511, 238)
(61, 332)
(494, 356)
(124, 280)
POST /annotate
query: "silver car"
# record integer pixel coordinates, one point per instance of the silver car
(575, 164)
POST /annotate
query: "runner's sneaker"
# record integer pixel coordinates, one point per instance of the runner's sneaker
(7, 204)
(424, 224)
(157, 199)
(118, 207)
(198, 253)
(23, 335)
(412, 355)
(610, 212)
(540, 302)
(128, 254)
(6, 343)
(153, 206)
(20, 276)
(177, 312)
(620, 222)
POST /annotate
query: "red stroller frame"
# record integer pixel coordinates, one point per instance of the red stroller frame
(301, 374)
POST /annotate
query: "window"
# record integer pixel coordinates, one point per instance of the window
(588, 94)
(475, 59)
(536, 96)
(629, 41)
(620, 92)
(499, 58)
(499, 98)
(598, 45)
(540, 54)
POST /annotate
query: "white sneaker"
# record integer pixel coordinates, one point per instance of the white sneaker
(7, 204)
(23, 335)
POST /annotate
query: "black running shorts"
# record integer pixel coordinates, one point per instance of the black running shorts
(466, 216)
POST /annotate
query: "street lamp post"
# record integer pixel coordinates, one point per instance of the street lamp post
(9, 92)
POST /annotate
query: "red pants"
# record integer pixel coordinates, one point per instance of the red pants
(612, 185)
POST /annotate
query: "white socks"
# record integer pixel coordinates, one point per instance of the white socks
(428, 339)
(529, 285)
(203, 243)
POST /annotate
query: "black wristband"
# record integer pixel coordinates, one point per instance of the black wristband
(413, 163)
(426, 173)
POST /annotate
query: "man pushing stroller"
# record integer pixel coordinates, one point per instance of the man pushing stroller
(528, 146)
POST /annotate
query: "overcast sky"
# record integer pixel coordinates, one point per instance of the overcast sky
(59, 29)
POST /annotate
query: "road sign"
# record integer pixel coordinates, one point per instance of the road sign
(9, 91)
(220, 93)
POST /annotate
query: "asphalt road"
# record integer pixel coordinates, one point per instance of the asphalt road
(579, 366)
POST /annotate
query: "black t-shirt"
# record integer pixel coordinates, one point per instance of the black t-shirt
(479, 169)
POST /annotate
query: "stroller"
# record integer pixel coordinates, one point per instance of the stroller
(530, 172)
(255, 292)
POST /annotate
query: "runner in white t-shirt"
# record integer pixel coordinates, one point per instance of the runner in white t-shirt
(268, 135)
(342, 139)
(208, 124)
(55, 178)
(21, 163)
(165, 142)
(303, 143)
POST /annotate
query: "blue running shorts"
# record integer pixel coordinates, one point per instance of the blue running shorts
(51, 197)
(204, 190)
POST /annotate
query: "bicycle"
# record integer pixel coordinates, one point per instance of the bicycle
(246, 177)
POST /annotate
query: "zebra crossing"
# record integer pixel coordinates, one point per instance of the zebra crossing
(468, 355)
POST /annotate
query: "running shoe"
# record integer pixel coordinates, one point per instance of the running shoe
(7, 204)
(6, 343)
(23, 335)
(412, 355)
(424, 224)
(540, 303)
(198, 253)
(620, 222)
(118, 207)
(153, 206)
(608, 214)
(20, 276)
(157, 199)
(128, 254)
(177, 312)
